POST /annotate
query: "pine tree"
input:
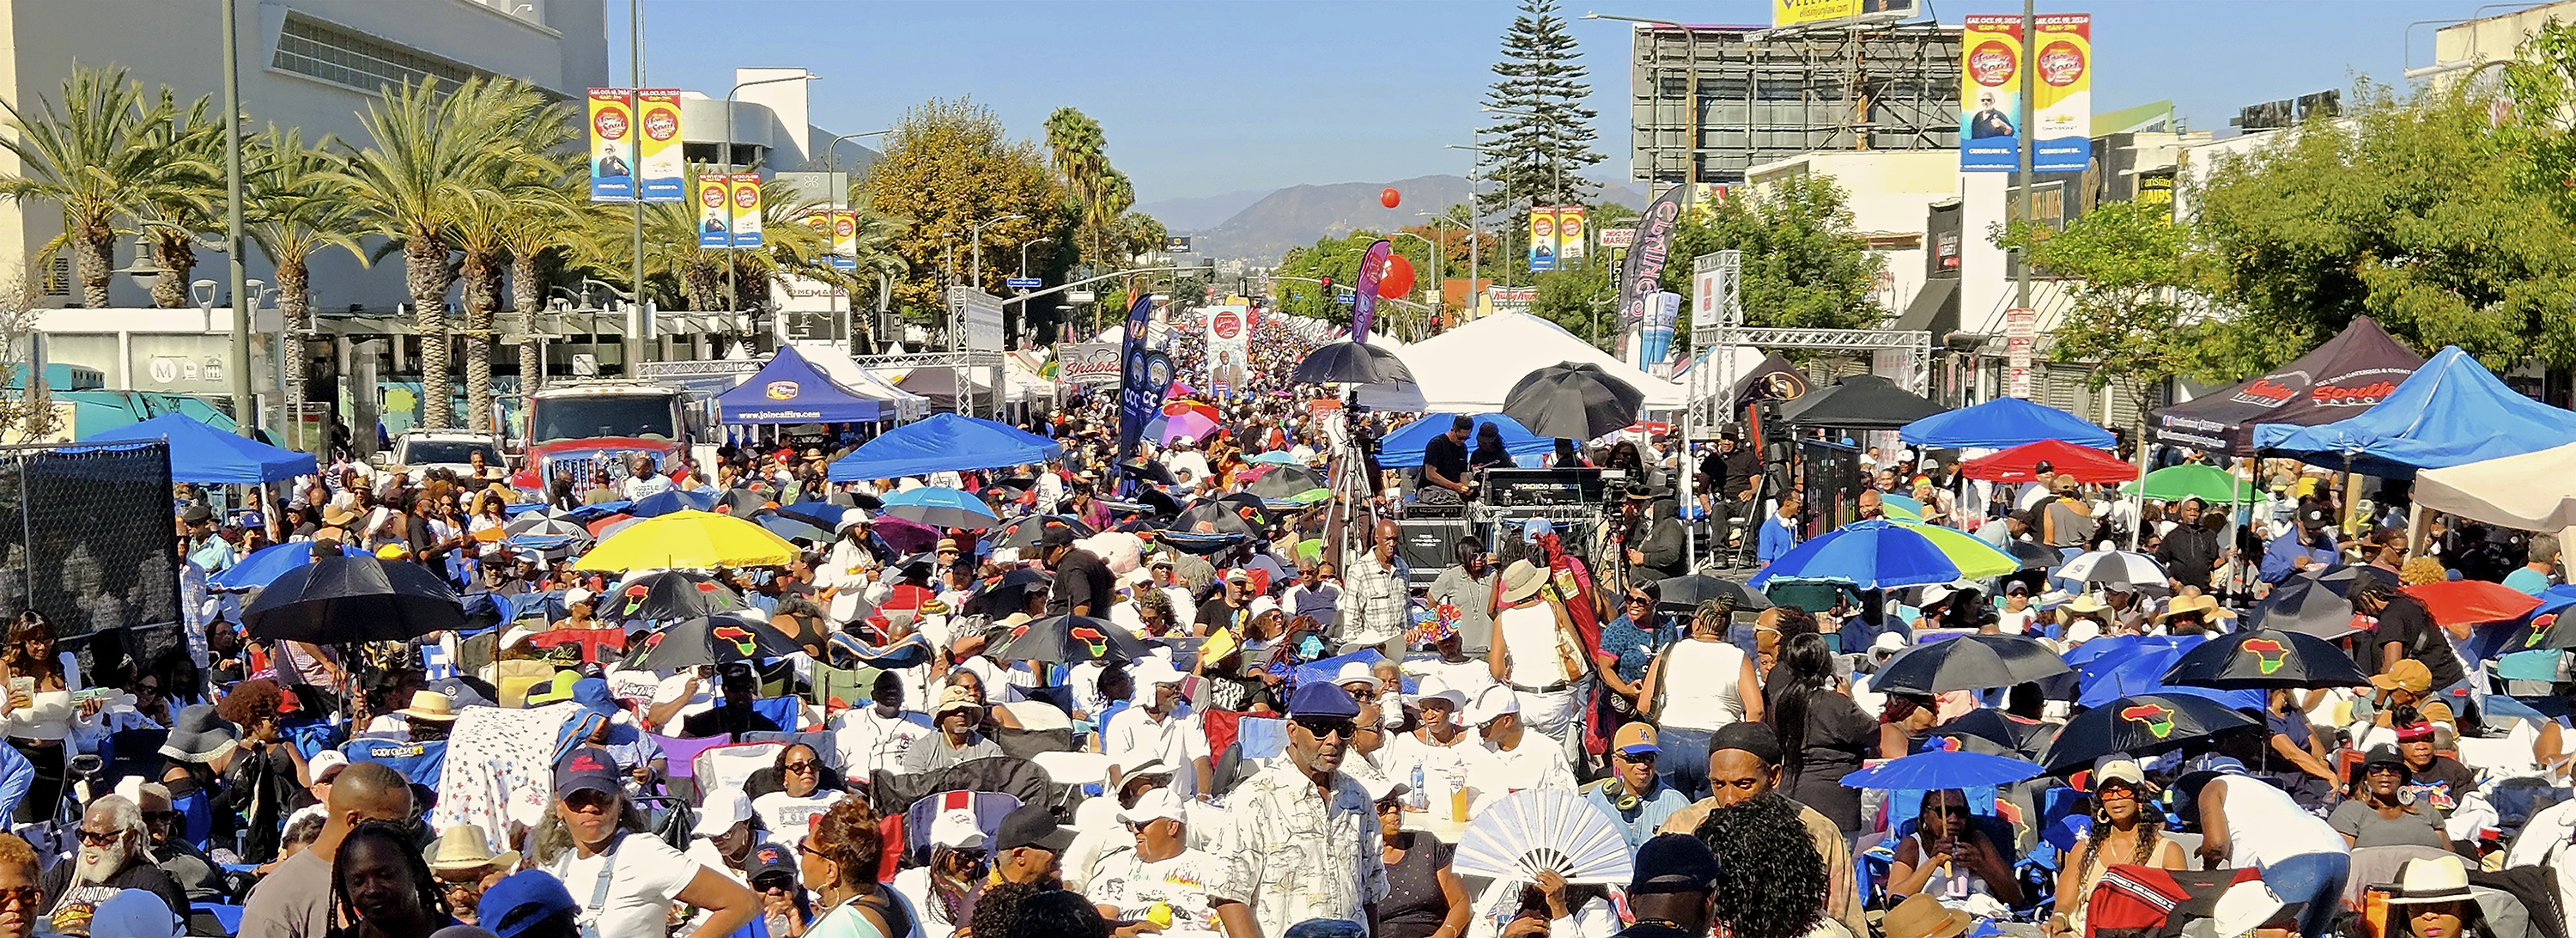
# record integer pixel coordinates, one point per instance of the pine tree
(1538, 154)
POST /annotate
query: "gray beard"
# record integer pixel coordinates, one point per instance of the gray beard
(111, 860)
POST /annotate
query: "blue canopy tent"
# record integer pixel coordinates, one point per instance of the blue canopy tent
(2450, 412)
(206, 456)
(791, 389)
(943, 443)
(1404, 446)
(2003, 423)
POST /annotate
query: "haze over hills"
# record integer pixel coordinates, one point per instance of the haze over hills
(1272, 223)
(1203, 212)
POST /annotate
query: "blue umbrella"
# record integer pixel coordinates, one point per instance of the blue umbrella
(1279, 457)
(941, 507)
(266, 564)
(1886, 555)
(2110, 678)
(1939, 769)
(2098, 648)
(823, 514)
(673, 500)
(586, 514)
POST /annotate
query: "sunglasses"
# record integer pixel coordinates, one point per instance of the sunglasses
(800, 767)
(1322, 727)
(163, 817)
(26, 898)
(1948, 811)
(98, 838)
(1643, 758)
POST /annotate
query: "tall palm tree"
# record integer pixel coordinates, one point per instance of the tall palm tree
(876, 234)
(1078, 149)
(294, 209)
(179, 194)
(536, 228)
(431, 151)
(83, 157)
(535, 184)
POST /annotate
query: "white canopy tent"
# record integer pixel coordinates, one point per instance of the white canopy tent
(846, 372)
(2531, 492)
(1471, 368)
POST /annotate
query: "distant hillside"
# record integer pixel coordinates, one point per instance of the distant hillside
(1186, 215)
(1297, 215)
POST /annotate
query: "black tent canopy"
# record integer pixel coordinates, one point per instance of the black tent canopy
(1860, 402)
(2349, 374)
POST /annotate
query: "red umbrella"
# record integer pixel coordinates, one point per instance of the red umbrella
(2472, 601)
(2021, 464)
(603, 523)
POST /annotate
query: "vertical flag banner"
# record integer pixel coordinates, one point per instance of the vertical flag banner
(1646, 251)
(1990, 105)
(612, 145)
(1373, 267)
(715, 210)
(1542, 239)
(1570, 235)
(746, 210)
(845, 239)
(1138, 393)
(1229, 349)
(1663, 312)
(2063, 54)
(662, 175)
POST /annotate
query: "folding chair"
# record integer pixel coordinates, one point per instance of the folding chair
(682, 756)
(728, 766)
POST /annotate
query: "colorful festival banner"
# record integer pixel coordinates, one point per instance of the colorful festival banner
(2062, 53)
(1140, 393)
(612, 145)
(1542, 245)
(1656, 339)
(845, 239)
(746, 210)
(715, 210)
(1990, 105)
(663, 175)
(1373, 267)
(1645, 262)
(1570, 248)
(1229, 347)
(1785, 13)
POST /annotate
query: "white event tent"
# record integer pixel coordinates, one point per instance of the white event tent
(1470, 369)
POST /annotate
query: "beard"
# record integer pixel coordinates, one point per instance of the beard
(96, 865)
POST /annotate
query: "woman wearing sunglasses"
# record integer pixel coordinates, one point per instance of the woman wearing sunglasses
(625, 885)
(800, 795)
(1948, 859)
(2123, 832)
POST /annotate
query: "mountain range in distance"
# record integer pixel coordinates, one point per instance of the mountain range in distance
(1257, 227)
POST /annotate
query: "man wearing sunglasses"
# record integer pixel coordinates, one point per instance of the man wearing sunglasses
(1515, 758)
(111, 858)
(1160, 881)
(1306, 834)
(1634, 794)
(199, 879)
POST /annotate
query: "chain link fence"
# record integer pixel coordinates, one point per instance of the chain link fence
(86, 537)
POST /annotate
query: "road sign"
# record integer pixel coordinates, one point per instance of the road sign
(1023, 283)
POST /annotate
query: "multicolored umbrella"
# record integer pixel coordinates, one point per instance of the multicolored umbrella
(1172, 427)
(666, 596)
(2140, 725)
(1890, 554)
(710, 640)
(1294, 485)
(2260, 659)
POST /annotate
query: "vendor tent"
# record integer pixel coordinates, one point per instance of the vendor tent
(791, 389)
(2003, 423)
(2345, 376)
(901, 406)
(2531, 492)
(2021, 464)
(1404, 446)
(943, 443)
(2451, 412)
(1859, 402)
(207, 456)
(1469, 369)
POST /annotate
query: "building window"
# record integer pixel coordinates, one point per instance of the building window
(354, 60)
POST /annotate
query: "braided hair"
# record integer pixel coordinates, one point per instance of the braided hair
(398, 836)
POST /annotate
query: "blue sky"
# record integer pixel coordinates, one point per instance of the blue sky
(1200, 98)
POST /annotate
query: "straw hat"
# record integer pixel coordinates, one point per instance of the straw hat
(1521, 581)
(1921, 916)
(2429, 880)
(430, 705)
(2206, 605)
(465, 847)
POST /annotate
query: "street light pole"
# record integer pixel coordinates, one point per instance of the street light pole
(832, 233)
(1435, 265)
(1024, 253)
(632, 348)
(1475, 220)
(732, 291)
(976, 267)
(245, 422)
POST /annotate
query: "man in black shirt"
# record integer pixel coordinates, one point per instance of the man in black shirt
(1444, 463)
(2192, 550)
(1221, 610)
(732, 716)
(1082, 584)
(2406, 632)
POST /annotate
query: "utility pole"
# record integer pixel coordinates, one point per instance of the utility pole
(245, 420)
(2029, 140)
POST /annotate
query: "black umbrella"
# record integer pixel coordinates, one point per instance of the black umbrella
(724, 638)
(1148, 470)
(2260, 659)
(345, 600)
(1024, 532)
(1573, 400)
(2308, 604)
(1352, 363)
(666, 595)
(740, 502)
(1215, 516)
(2034, 556)
(1685, 593)
(1286, 483)
(1197, 545)
(2143, 725)
(1070, 639)
(1968, 662)
(1251, 509)
(1007, 593)
(1991, 731)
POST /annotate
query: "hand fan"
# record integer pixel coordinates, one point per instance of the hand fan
(1533, 830)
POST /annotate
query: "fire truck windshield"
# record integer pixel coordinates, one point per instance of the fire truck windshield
(581, 417)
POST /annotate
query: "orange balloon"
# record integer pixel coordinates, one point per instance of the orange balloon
(1397, 279)
(1389, 197)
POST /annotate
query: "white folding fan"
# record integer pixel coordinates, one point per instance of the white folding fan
(1529, 831)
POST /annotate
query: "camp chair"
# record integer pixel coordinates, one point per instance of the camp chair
(728, 766)
(682, 756)
(211, 919)
(2132, 901)
(512, 679)
(787, 712)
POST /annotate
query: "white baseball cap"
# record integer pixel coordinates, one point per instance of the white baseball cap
(724, 809)
(1492, 702)
(325, 764)
(956, 828)
(1154, 805)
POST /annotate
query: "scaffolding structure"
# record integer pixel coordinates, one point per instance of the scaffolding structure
(1707, 103)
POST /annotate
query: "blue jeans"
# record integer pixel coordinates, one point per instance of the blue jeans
(2316, 879)
(1682, 760)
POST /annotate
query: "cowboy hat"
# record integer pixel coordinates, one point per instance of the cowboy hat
(465, 847)
(2089, 602)
(1521, 581)
(430, 705)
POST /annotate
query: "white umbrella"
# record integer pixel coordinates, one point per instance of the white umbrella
(2116, 567)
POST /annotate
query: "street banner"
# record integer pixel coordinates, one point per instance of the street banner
(1093, 364)
(1542, 245)
(1645, 263)
(663, 176)
(1657, 339)
(715, 210)
(845, 246)
(2063, 54)
(1139, 394)
(746, 210)
(1229, 348)
(1990, 105)
(2021, 338)
(1803, 12)
(612, 145)
(1373, 267)
(1569, 235)
(1617, 237)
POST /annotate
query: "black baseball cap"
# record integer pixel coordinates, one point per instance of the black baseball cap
(1675, 863)
(1032, 826)
(772, 861)
(590, 768)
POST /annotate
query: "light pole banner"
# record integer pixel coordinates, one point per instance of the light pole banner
(612, 145)
(1646, 256)
(715, 210)
(746, 210)
(2063, 54)
(1229, 339)
(662, 175)
(1569, 235)
(1990, 105)
(1373, 267)
(845, 240)
(1542, 255)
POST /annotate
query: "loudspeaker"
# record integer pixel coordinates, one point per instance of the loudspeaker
(1429, 545)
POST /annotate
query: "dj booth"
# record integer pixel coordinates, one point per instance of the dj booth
(1574, 501)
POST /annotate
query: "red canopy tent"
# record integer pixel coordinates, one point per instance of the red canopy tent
(2021, 464)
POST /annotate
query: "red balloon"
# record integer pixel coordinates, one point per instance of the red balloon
(1389, 197)
(1397, 279)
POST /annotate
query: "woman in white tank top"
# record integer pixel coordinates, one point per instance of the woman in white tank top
(1695, 687)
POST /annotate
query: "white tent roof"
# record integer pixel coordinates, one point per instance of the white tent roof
(1469, 369)
(838, 366)
(2531, 492)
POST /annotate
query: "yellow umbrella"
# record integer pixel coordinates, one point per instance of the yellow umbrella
(688, 540)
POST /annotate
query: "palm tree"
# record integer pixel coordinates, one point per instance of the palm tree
(538, 227)
(495, 227)
(179, 193)
(431, 152)
(85, 158)
(1077, 147)
(876, 234)
(294, 209)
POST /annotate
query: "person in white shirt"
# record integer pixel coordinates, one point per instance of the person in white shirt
(1440, 749)
(1160, 880)
(725, 833)
(592, 842)
(787, 812)
(1155, 728)
(1050, 487)
(2036, 491)
(850, 567)
(1187, 467)
(1529, 657)
(872, 739)
(646, 482)
(1513, 760)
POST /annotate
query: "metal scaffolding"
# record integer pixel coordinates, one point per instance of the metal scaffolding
(1708, 103)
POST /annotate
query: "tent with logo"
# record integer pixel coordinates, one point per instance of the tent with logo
(2451, 412)
(2339, 379)
(901, 406)
(790, 389)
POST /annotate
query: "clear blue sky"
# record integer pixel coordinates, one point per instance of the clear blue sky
(1205, 97)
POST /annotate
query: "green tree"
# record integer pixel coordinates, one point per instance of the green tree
(2131, 317)
(949, 167)
(1803, 264)
(1540, 152)
(1580, 300)
(179, 197)
(293, 208)
(509, 212)
(86, 157)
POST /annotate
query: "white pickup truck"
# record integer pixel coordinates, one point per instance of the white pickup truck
(416, 452)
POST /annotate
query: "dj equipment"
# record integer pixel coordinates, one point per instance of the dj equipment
(1429, 545)
(1577, 526)
(1525, 488)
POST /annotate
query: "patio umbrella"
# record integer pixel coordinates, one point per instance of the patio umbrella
(666, 596)
(940, 507)
(1573, 400)
(1068, 640)
(2259, 659)
(1352, 363)
(2210, 484)
(1275, 457)
(2006, 735)
(1889, 554)
(724, 638)
(2142, 725)
(1685, 593)
(1290, 484)
(2306, 604)
(1968, 662)
(672, 500)
(689, 540)
(1939, 769)
(793, 528)
(2116, 567)
(266, 564)
(2469, 602)
(344, 600)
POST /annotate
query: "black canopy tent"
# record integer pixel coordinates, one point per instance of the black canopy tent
(1860, 402)
(2347, 375)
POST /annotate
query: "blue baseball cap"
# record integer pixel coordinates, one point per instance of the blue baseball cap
(1531, 529)
(592, 694)
(521, 901)
(1318, 699)
(587, 768)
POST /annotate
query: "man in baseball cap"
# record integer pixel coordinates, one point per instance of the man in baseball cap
(1635, 794)
(1027, 844)
(1674, 889)
(1514, 757)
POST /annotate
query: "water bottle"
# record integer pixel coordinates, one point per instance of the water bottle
(1417, 798)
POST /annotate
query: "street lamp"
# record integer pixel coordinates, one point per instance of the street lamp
(1024, 253)
(975, 267)
(1475, 214)
(1435, 264)
(731, 291)
(832, 227)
